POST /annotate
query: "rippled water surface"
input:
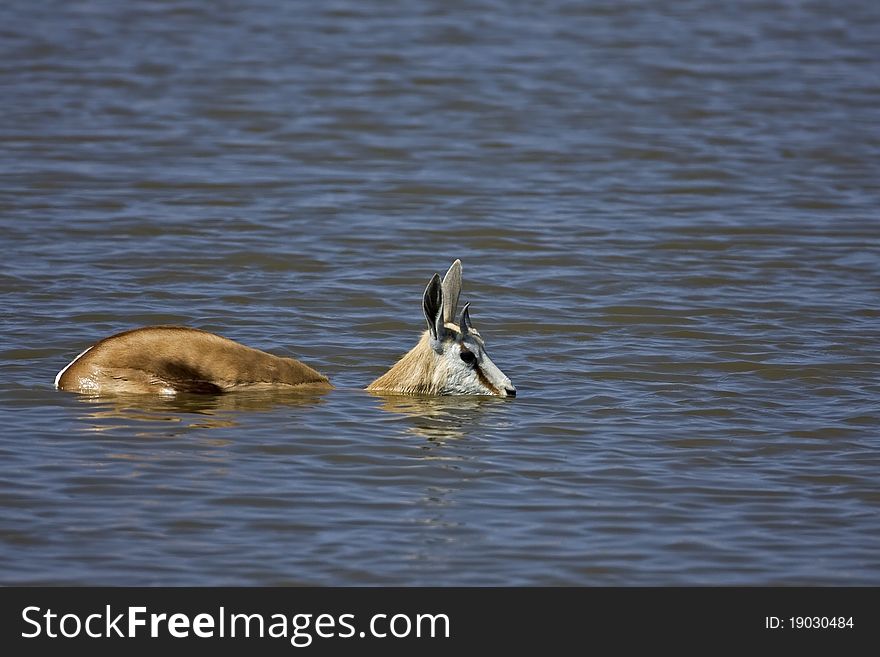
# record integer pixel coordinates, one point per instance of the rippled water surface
(668, 219)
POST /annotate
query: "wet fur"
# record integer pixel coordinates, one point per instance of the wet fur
(435, 366)
(414, 374)
(171, 359)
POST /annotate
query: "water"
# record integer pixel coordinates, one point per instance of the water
(667, 216)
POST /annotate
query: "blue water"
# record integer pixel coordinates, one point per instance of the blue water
(668, 221)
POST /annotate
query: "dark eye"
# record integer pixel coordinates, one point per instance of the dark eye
(469, 357)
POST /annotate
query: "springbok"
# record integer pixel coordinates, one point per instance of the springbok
(172, 359)
(448, 360)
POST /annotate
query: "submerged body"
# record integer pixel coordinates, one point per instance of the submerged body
(171, 359)
(449, 359)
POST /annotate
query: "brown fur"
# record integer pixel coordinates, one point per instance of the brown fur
(169, 359)
(485, 381)
(413, 374)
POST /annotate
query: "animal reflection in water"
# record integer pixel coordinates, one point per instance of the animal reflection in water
(192, 411)
(449, 359)
(439, 419)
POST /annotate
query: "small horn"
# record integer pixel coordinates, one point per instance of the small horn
(465, 323)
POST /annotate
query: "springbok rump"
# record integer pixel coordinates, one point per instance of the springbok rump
(171, 359)
(450, 359)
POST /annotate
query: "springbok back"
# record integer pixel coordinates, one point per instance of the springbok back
(171, 359)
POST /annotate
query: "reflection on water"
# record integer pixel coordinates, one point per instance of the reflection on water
(110, 412)
(438, 419)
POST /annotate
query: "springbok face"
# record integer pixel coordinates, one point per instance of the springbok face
(462, 366)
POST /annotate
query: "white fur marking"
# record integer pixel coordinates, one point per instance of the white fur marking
(61, 373)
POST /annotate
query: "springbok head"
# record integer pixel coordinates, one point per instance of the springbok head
(462, 366)
(450, 358)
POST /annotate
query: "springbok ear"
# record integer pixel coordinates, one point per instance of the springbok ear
(451, 291)
(432, 304)
(465, 322)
